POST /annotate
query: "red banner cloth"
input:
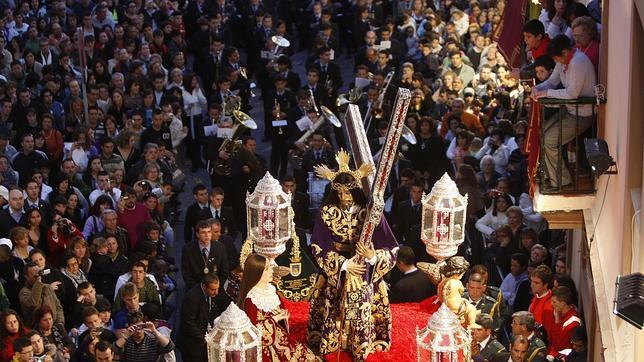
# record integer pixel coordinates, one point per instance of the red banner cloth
(509, 32)
(533, 143)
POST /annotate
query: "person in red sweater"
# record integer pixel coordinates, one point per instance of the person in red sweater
(566, 320)
(11, 328)
(536, 39)
(541, 305)
(132, 216)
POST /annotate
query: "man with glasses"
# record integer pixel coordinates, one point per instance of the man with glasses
(24, 350)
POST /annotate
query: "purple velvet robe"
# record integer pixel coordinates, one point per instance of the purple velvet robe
(340, 318)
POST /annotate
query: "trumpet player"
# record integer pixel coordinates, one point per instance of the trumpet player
(284, 67)
(330, 74)
(282, 100)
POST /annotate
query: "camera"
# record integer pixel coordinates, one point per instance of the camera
(139, 327)
(98, 329)
(44, 272)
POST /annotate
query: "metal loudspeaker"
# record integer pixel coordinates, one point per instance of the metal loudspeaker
(598, 156)
(629, 299)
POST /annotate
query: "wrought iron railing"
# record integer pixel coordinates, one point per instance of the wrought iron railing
(570, 155)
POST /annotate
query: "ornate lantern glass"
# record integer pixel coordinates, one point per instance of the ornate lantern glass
(269, 211)
(443, 219)
(233, 338)
(443, 339)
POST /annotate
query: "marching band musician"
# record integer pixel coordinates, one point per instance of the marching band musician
(276, 103)
(211, 152)
(247, 169)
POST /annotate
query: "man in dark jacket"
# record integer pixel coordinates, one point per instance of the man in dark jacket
(414, 285)
(197, 311)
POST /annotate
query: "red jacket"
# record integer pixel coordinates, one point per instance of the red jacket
(6, 346)
(58, 244)
(562, 332)
(134, 221)
(541, 308)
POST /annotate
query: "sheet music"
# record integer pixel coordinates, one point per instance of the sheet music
(304, 124)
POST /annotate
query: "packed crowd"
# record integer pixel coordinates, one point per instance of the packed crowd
(101, 99)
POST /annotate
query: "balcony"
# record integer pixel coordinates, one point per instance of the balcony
(565, 179)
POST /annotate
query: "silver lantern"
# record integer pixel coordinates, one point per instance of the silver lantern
(233, 338)
(269, 217)
(443, 219)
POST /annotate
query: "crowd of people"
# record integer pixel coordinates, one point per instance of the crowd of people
(102, 101)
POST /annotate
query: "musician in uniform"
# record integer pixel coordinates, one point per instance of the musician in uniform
(247, 169)
(350, 310)
(284, 68)
(276, 103)
(484, 345)
(299, 203)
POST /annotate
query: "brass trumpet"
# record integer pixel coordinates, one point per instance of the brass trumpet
(277, 116)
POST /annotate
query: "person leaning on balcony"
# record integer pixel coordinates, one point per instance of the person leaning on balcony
(577, 75)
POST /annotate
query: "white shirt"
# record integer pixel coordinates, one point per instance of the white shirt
(194, 102)
(578, 80)
(215, 212)
(115, 195)
(413, 269)
(484, 342)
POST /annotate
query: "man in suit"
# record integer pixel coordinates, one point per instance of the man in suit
(476, 294)
(285, 99)
(33, 201)
(409, 212)
(518, 351)
(202, 257)
(318, 154)
(200, 193)
(13, 215)
(299, 203)
(284, 68)
(232, 254)
(329, 75)
(199, 308)
(223, 214)
(313, 85)
(396, 170)
(485, 346)
(407, 178)
(208, 65)
(414, 285)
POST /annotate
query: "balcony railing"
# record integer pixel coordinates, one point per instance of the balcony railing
(570, 155)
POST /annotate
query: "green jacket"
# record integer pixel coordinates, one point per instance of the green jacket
(147, 294)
